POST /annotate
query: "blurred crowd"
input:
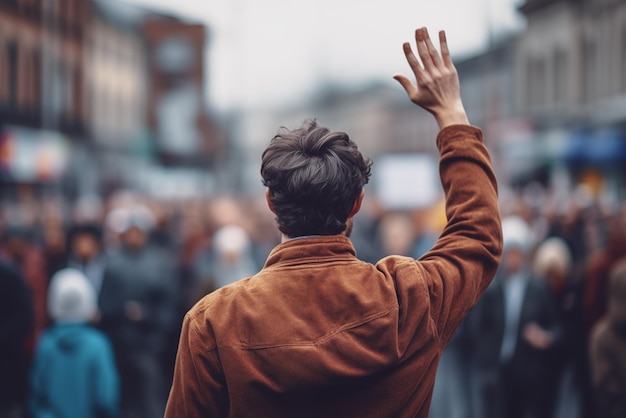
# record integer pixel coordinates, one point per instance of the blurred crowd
(146, 263)
(93, 293)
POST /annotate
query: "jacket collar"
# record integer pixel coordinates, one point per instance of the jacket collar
(312, 250)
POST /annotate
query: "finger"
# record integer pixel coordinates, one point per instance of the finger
(445, 52)
(412, 59)
(432, 51)
(422, 49)
(407, 84)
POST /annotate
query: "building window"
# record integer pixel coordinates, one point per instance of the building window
(12, 72)
(36, 81)
(536, 83)
(623, 49)
(3, 73)
(560, 76)
(590, 60)
(527, 83)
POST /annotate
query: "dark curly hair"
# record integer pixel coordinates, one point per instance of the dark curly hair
(314, 177)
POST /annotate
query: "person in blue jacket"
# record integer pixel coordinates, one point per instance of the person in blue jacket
(74, 373)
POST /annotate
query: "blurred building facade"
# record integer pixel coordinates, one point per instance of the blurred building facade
(98, 94)
(41, 87)
(571, 88)
(550, 98)
(90, 99)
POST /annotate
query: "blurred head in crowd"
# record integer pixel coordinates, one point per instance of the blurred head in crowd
(15, 242)
(314, 179)
(132, 224)
(135, 233)
(134, 237)
(553, 262)
(516, 235)
(396, 234)
(231, 242)
(617, 295)
(71, 297)
(85, 242)
(54, 236)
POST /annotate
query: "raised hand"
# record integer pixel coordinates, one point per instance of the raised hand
(437, 87)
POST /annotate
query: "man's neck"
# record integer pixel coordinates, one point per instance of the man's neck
(285, 238)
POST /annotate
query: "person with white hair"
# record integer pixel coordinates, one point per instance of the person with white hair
(74, 372)
(553, 263)
(514, 329)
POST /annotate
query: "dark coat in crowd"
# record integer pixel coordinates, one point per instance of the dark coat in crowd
(138, 306)
(608, 351)
(16, 320)
(528, 368)
(146, 279)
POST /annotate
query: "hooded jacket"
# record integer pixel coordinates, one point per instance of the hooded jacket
(74, 373)
(319, 333)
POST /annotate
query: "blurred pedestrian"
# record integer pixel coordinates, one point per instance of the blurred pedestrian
(20, 248)
(138, 304)
(395, 232)
(365, 234)
(16, 320)
(86, 252)
(425, 229)
(74, 373)
(318, 332)
(514, 330)
(598, 269)
(228, 259)
(553, 264)
(54, 245)
(608, 351)
(161, 233)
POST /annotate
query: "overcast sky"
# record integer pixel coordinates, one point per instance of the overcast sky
(272, 52)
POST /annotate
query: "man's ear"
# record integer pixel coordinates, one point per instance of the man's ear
(357, 204)
(269, 200)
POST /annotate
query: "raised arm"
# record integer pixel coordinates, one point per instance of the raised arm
(462, 263)
(437, 87)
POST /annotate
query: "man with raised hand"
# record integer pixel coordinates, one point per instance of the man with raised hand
(319, 333)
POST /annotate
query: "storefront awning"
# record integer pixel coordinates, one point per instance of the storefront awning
(595, 148)
(608, 146)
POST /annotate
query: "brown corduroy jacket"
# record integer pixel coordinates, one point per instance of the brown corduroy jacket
(319, 333)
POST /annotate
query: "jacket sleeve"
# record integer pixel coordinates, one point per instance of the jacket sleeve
(463, 261)
(198, 388)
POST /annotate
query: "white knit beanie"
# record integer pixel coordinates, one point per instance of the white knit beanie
(516, 234)
(71, 297)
